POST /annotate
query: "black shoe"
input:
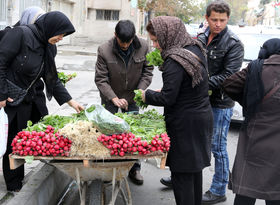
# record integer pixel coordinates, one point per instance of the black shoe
(136, 177)
(210, 198)
(166, 181)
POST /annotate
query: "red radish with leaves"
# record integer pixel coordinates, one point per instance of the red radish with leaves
(41, 143)
(127, 143)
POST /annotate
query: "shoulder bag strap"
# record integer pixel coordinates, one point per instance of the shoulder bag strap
(41, 68)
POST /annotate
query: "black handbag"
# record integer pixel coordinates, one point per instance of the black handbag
(17, 93)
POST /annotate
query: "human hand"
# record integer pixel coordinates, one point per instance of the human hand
(3, 103)
(75, 105)
(121, 103)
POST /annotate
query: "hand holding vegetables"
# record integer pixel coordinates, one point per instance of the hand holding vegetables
(143, 95)
(64, 78)
(139, 98)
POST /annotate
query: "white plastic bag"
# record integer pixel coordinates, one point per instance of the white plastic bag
(104, 121)
(3, 132)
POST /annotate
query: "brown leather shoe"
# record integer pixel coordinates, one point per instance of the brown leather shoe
(136, 177)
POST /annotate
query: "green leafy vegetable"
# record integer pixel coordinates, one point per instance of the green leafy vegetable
(91, 108)
(154, 58)
(55, 121)
(64, 78)
(145, 125)
(138, 99)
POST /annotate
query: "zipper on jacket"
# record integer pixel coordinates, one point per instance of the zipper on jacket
(126, 81)
(126, 66)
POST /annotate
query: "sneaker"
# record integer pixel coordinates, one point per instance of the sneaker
(210, 198)
(136, 177)
(166, 181)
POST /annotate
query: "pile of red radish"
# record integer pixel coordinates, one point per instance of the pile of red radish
(120, 144)
(41, 143)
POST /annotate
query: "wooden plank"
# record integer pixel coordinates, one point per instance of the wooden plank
(15, 163)
(131, 156)
(86, 163)
(163, 162)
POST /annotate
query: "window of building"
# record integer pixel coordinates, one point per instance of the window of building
(107, 15)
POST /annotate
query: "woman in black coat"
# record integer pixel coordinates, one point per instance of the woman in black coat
(188, 115)
(25, 53)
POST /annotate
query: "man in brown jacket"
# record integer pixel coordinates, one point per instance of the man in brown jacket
(120, 69)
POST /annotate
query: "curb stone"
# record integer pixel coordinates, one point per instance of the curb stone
(44, 187)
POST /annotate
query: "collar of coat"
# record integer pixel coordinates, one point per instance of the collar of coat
(218, 36)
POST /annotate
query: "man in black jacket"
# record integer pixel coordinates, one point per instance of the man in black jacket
(225, 55)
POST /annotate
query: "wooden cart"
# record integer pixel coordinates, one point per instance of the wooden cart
(91, 173)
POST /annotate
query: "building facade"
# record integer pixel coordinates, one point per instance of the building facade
(94, 20)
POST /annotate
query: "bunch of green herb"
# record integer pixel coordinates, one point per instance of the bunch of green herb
(55, 121)
(154, 58)
(138, 99)
(64, 78)
(145, 125)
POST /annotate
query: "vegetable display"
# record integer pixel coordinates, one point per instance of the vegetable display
(127, 143)
(147, 134)
(77, 135)
(138, 99)
(154, 58)
(146, 125)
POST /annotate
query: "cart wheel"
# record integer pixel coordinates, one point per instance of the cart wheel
(95, 193)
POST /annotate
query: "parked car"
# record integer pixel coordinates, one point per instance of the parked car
(252, 43)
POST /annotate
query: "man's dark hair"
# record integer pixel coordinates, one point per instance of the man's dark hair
(125, 30)
(218, 6)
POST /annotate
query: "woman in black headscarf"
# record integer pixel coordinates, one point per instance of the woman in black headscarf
(256, 167)
(27, 53)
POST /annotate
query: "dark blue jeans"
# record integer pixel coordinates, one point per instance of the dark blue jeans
(219, 149)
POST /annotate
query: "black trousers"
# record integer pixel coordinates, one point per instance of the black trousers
(14, 178)
(244, 200)
(187, 188)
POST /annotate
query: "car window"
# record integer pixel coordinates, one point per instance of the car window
(253, 38)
